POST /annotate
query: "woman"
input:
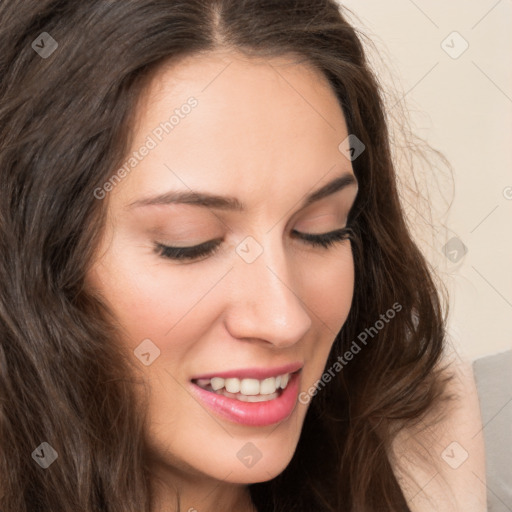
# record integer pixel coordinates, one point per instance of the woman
(210, 298)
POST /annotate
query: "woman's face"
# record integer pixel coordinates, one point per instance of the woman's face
(265, 302)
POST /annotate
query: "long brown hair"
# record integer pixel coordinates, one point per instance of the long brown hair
(66, 118)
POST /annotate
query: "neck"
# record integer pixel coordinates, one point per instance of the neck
(197, 494)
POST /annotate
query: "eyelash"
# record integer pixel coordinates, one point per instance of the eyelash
(324, 241)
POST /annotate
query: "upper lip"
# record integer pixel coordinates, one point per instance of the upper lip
(253, 373)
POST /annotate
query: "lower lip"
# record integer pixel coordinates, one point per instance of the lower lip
(255, 414)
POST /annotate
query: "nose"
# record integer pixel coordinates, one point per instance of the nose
(264, 302)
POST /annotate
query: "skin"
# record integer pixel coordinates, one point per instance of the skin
(456, 482)
(265, 131)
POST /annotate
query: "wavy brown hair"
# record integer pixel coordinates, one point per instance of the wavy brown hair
(65, 125)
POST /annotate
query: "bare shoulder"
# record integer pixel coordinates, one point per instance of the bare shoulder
(440, 463)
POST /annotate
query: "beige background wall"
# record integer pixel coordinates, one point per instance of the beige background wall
(460, 101)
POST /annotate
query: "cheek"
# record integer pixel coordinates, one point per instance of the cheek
(328, 291)
(140, 301)
(328, 295)
(147, 296)
(173, 306)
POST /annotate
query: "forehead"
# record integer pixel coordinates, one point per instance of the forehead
(257, 125)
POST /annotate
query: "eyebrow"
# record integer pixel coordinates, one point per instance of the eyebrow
(232, 203)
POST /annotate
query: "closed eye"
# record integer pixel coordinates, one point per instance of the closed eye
(324, 240)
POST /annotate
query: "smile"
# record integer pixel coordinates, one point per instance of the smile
(246, 390)
(249, 401)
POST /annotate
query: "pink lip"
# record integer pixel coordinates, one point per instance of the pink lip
(253, 373)
(255, 414)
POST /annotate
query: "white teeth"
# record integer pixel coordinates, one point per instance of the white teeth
(245, 398)
(232, 385)
(268, 386)
(249, 387)
(253, 389)
(260, 398)
(217, 383)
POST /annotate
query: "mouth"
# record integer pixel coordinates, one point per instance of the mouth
(240, 397)
(247, 389)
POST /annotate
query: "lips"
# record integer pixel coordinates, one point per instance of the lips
(262, 396)
(253, 373)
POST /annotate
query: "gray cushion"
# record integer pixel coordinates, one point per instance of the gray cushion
(493, 376)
